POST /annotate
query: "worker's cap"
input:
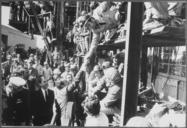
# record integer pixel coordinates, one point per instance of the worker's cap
(17, 81)
(112, 74)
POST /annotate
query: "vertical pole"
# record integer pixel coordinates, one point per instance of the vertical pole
(144, 66)
(29, 24)
(60, 23)
(77, 11)
(178, 87)
(57, 19)
(132, 61)
(1, 86)
(43, 22)
(62, 13)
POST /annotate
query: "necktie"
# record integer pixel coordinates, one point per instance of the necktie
(46, 94)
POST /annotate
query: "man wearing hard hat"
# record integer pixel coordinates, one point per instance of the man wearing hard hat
(17, 111)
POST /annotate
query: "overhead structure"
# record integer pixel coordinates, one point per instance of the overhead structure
(165, 36)
(39, 25)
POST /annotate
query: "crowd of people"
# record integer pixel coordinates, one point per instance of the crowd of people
(66, 94)
(47, 89)
(104, 19)
(101, 24)
(36, 93)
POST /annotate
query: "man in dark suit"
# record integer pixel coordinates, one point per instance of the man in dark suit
(16, 103)
(42, 104)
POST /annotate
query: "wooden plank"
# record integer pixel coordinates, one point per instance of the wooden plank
(162, 36)
(158, 41)
(132, 61)
(165, 36)
(112, 46)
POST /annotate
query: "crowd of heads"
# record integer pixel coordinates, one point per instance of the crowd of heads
(32, 74)
(51, 71)
(100, 14)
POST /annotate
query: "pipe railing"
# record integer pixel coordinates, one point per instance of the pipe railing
(30, 17)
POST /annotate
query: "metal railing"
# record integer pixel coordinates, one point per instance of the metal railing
(31, 17)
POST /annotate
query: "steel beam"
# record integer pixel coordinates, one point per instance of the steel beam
(132, 61)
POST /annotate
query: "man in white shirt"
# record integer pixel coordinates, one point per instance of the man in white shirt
(48, 75)
(56, 57)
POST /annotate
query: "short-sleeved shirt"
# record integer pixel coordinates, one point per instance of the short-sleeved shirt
(61, 95)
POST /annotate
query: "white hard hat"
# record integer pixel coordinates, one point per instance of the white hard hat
(17, 81)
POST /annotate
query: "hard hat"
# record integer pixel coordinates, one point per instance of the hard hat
(17, 81)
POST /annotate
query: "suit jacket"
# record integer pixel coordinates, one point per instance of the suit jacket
(17, 108)
(42, 110)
